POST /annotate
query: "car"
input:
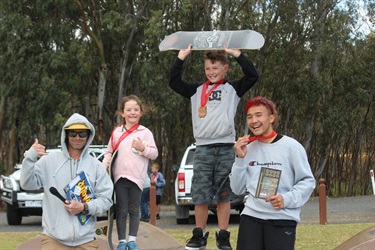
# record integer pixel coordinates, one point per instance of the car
(21, 203)
(182, 186)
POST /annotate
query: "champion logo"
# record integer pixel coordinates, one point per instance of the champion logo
(267, 164)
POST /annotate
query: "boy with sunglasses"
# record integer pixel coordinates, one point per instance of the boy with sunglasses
(61, 228)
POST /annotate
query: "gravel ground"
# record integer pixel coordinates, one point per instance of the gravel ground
(339, 211)
(345, 210)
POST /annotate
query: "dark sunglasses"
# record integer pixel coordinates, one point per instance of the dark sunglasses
(82, 134)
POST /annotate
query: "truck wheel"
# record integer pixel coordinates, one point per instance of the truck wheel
(182, 214)
(182, 221)
(14, 217)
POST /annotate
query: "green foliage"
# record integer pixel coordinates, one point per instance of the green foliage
(315, 65)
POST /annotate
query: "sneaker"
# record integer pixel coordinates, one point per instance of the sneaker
(121, 246)
(222, 240)
(132, 245)
(158, 217)
(198, 241)
(144, 220)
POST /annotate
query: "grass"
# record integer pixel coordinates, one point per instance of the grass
(10, 240)
(311, 237)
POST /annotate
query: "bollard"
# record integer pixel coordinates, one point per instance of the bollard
(153, 204)
(322, 202)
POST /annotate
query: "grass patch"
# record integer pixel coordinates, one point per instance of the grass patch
(311, 237)
(10, 240)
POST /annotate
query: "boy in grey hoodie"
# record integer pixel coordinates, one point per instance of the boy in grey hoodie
(274, 168)
(61, 227)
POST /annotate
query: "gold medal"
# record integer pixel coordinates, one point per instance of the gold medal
(202, 111)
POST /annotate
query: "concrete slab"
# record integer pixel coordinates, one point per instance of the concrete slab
(149, 238)
(35, 244)
(364, 240)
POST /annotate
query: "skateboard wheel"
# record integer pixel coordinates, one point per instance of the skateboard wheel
(99, 231)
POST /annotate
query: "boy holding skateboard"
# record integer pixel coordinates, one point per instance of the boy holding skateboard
(214, 105)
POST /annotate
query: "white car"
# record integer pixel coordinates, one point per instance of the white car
(183, 187)
(21, 202)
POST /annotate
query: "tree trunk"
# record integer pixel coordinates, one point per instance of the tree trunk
(121, 83)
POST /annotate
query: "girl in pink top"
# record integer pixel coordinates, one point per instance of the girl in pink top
(134, 150)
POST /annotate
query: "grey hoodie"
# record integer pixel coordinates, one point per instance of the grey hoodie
(57, 170)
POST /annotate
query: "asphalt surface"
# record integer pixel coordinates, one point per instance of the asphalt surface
(339, 211)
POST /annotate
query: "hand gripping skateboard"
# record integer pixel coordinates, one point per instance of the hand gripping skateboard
(213, 40)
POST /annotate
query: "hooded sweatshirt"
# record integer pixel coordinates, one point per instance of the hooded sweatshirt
(57, 170)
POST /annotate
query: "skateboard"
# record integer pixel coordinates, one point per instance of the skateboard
(101, 230)
(213, 40)
(111, 212)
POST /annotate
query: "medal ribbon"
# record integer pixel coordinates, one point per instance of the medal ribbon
(204, 95)
(254, 138)
(125, 134)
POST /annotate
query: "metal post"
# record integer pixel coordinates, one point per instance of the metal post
(153, 204)
(372, 180)
(322, 202)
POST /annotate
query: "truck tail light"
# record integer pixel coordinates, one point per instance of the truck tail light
(181, 182)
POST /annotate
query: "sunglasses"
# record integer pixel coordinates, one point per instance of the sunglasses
(82, 134)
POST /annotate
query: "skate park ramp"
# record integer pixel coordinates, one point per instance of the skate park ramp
(364, 240)
(149, 238)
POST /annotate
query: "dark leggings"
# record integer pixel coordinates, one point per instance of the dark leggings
(128, 198)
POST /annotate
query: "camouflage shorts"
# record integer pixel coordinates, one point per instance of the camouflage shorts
(212, 166)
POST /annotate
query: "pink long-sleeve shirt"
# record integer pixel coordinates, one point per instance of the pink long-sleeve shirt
(128, 164)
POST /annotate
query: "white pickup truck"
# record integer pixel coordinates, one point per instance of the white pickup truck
(183, 186)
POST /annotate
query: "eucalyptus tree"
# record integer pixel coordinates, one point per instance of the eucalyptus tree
(91, 26)
(169, 115)
(43, 74)
(353, 151)
(59, 57)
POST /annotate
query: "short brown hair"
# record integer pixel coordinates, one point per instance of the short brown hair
(216, 55)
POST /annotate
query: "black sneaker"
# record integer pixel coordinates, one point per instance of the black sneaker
(222, 240)
(198, 241)
(158, 217)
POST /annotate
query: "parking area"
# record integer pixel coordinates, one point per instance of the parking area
(339, 211)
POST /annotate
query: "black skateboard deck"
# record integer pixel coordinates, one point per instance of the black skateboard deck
(213, 40)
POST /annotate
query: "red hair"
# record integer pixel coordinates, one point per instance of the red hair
(261, 101)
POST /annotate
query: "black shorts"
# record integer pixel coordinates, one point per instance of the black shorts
(257, 234)
(158, 199)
